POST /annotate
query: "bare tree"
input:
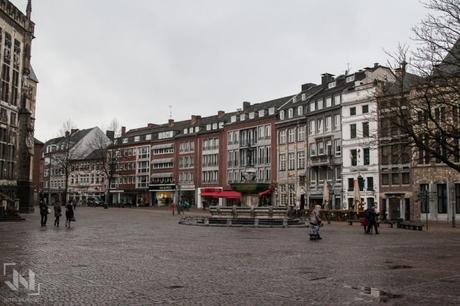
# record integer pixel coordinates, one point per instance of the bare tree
(61, 158)
(424, 102)
(108, 160)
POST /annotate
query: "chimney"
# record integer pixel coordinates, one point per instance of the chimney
(171, 122)
(246, 105)
(220, 114)
(326, 78)
(195, 119)
(72, 131)
(307, 86)
(110, 134)
(123, 130)
(376, 65)
(67, 133)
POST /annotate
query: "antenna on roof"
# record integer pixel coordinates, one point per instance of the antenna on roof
(170, 111)
(348, 69)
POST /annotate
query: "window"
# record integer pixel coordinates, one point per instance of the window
(351, 183)
(148, 137)
(291, 161)
(365, 109)
(442, 198)
(385, 179)
(395, 180)
(350, 78)
(282, 115)
(405, 178)
(320, 148)
(300, 110)
(337, 122)
(137, 138)
(424, 198)
(243, 117)
(271, 111)
(304, 97)
(300, 160)
(331, 85)
(311, 129)
(290, 113)
(320, 104)
(282, 162)
(352, 111)
(313, 149)
(282, 137)
(301, 134)
(291, 135)
(366, 156)
(328, 125)
(312, 106)
(395, 154)
(337, 100)
(354, 157)
(251, 115)
(370, 183)
(261, 113)
(320, 126)
(338, 148)
(329, 102)
(352, 130)
(365, 129)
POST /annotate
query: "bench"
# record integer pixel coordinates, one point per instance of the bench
(410, 225)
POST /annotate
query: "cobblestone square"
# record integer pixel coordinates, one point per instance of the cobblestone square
(144, 257)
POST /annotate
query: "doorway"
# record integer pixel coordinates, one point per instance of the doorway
(407, 209)
(395, 209)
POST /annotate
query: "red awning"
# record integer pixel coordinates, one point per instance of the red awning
(222, 194)
(265, 193)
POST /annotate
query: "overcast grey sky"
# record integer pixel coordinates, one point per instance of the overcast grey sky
(130, 59)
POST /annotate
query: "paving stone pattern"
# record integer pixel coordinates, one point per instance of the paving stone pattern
(123, 256)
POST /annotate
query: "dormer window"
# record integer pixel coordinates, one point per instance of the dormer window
(197, 129)
(312, 106)
(294, 99)
(350, 78)
(271, 111)
(185, 131)
(282, 115)
(261, 113)
(304, 97)
(233, 119)
(242, 117)
(331, 85)
(148, 137)
(208, 127)
(300, 111)
(251, 115)
(214, 126)
(290, 113)
(137, 138)
(221, 125)
(190, 130)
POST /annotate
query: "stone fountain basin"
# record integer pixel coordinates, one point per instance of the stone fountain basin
(249, 188)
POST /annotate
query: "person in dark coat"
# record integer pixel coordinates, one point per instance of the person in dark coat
(372, 220)
(69, 214)
(57, 213)
(43, 213)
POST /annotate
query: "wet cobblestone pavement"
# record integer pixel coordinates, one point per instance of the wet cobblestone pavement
(144, 257)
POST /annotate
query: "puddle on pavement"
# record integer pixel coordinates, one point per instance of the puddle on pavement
(399, 267)
(382, 296)
(175, 287)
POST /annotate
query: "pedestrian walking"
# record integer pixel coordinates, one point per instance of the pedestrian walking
(57, 213)
(372, 220)
(43, 213)
(315, 223)
(69, 214)
(173, 208)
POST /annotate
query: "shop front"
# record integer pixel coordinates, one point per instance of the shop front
(162, 194)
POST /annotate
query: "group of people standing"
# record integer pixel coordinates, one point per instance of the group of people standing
(45, 211)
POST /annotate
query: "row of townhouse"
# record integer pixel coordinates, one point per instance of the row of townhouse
(79, 156)
(329, 134)
(332, 141)
(159, 164)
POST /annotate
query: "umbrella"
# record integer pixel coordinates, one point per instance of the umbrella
(356, 194)
(326, 195)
